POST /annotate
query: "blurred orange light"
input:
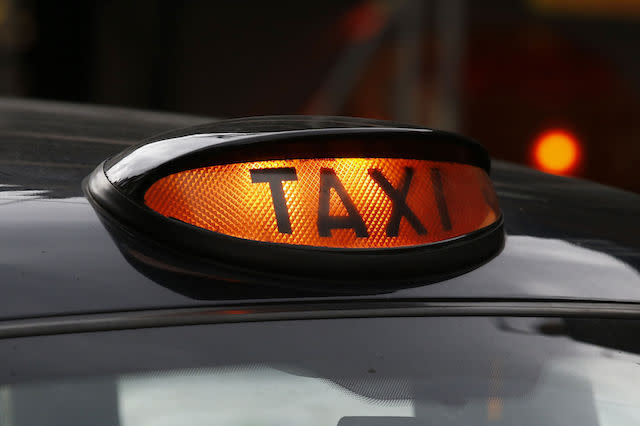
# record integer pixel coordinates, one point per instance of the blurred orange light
(556, 151)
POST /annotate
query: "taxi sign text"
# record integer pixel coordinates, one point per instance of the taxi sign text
(342, 203)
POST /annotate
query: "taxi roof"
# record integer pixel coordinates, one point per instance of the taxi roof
(567, 239)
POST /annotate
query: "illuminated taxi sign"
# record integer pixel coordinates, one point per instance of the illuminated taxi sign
(311, 200)
(343, 203)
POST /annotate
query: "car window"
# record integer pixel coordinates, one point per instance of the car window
(352, 372)
(601, 392)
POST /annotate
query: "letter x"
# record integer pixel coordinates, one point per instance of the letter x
(398, 199)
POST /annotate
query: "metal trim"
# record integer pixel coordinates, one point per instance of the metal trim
(308, 311)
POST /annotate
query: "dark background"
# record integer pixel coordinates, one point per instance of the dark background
(499, 71)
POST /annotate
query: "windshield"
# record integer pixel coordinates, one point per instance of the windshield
(568, 392)
(360, 372)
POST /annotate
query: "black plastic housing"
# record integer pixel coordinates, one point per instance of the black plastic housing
(116, 188)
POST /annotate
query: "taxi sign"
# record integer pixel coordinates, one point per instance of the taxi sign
(335, 202)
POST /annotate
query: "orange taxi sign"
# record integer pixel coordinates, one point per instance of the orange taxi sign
(352, 203)
(304, 202)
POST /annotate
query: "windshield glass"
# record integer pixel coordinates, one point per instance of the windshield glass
(357, 372)
(588, 393)
(572, 390)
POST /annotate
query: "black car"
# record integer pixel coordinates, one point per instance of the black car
(304, 271)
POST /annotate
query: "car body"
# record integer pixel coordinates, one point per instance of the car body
(468, 348)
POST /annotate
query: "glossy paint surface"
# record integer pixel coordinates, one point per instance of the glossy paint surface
(566, 239)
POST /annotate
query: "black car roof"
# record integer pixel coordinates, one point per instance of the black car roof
(567, 239)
